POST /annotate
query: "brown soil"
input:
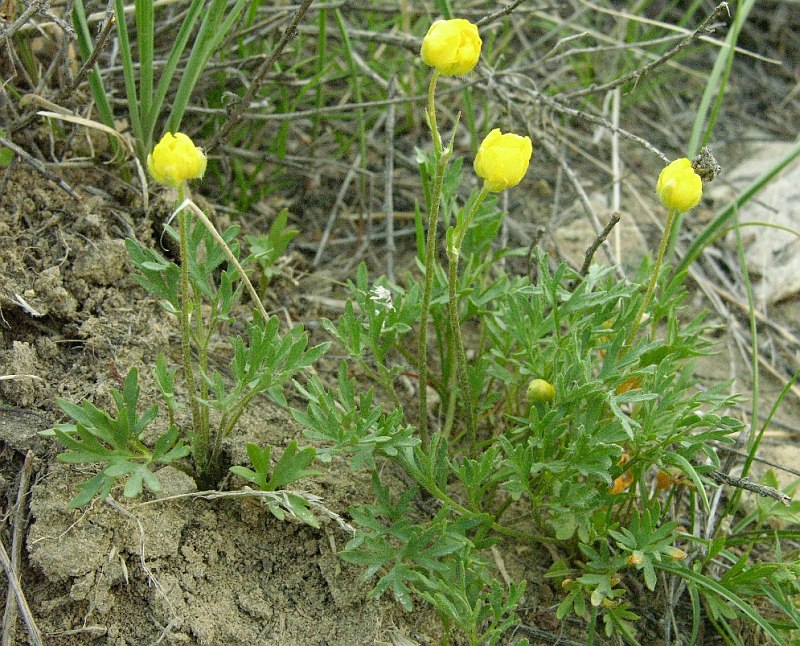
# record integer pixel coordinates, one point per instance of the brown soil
(186, 571)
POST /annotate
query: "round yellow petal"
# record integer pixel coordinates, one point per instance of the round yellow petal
(679, 186)
(176, 159)
(452, 46)
(502, 160)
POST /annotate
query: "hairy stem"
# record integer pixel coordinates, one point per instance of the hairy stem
(430, 252)
(651, 287)
(455, 340)
(199, 431)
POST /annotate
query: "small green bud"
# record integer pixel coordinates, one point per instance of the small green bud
(541, 391)
(675, 553)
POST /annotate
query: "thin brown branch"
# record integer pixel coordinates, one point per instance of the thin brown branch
(749, 485)
(499, 13)
(635, 75)
(590, 251)
(34, 7)
(40, 168)
(388, 186)
(99, 46)
(10, 614)
(14, 587)
(241, 106)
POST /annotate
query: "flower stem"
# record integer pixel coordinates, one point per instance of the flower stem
(651, 287)
(430, 252)
(455, 341)
(199, 431)
(437, 138)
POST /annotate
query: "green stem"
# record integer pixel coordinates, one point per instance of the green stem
(201, 344)
(447, 429)
(444, 498)
(651, 288)
(200, 433)
(229, 255)
(455, 341)
(437, 139)
(386, 381)
(430, 251)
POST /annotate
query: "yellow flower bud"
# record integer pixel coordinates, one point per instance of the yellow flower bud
(541, 391)
(676, 553)
(452, 46)
(636, 558)
(679, 186)
(502, 160)
(176, 159)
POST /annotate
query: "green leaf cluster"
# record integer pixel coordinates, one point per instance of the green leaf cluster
(269, 247)
(292, 466)
(116, 442)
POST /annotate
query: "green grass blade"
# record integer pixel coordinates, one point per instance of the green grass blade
(785, 391)
(695, 599)
(129, 74)
(212, 31)
(144, 41)
(169, 69)
(708, 585)
(717, 82)
(95, 80)
(444, 8)
(754, 443)
(195, 64)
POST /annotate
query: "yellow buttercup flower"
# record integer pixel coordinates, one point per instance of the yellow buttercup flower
(502, 160)
(176, 159)
(452, 46)
(679, 186)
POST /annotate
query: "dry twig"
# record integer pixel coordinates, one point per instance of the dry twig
(19, 524)
(40, 168)
(388, 187)
(590, 251)
(241, 106)
(636, 74)
(749, 485)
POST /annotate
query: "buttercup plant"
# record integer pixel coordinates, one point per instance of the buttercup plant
(451, 48)
(263, 362)
(555, 420)
(554, 431)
